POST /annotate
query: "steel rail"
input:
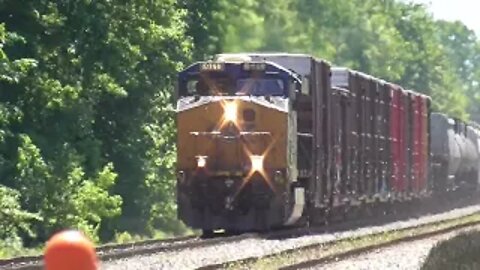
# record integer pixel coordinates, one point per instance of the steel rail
(351, 252)
(369, 248)
(30, 262)
(119, 251)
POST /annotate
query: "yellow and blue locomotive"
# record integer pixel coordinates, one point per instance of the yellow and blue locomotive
(236, 145)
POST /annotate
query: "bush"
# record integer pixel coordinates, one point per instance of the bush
(71, 200)
(460, 252)
(13, 222)
(126, 237)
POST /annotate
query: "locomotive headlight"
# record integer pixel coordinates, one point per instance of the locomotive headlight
(201, 161)
(257, 163)
(181, 176)
(278, 177)
(230, 111)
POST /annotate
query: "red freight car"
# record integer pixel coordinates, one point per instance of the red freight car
(397, 140)
(387, 137)
(419, 143)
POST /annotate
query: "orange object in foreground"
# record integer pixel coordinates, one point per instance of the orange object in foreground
(70, 250)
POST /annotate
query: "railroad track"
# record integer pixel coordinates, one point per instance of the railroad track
(407, 233)
(347, 253)
(324, 252)
(118, 251)
(109, 251)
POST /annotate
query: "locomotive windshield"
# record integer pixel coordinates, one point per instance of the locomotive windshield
(224, 86)
(235, 79)
(260, 87)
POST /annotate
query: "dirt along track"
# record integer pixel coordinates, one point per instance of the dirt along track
(193, 252)
(400, 255)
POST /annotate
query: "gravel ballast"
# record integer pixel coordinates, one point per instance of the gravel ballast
(221, 253)
(403, 256)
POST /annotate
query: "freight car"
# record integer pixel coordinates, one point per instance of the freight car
(272, 140)
(455, 154)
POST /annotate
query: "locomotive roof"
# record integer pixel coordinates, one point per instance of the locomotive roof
(266, 54)
(298, 63)
(195, 68)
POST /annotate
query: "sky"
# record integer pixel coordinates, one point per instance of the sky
(467, 11)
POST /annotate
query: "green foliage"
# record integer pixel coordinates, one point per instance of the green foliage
(87, 137)
(463, 50)
(233, 19)
(86, 131)
(393, 40)
(202, 26)
(66, 198)
(125, 237)
(459, 252)
(13, 220)
(12, 71)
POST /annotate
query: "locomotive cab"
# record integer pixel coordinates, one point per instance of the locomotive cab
(236, 144)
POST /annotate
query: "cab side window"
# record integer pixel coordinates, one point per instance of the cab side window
(196, 87)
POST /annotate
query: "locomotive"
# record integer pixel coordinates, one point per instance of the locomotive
(269, 140)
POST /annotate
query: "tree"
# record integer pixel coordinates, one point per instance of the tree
(463, 51)
(93, 110)
(13, 221)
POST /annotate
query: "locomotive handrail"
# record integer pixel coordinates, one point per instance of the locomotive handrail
(240, 134)
(307, 135)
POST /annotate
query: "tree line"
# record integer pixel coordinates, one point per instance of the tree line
(87, 136)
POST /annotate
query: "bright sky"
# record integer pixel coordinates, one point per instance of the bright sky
(467, 11)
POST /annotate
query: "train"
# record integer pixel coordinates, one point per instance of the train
(271, 140)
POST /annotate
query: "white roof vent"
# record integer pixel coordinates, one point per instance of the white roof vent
(233, 58)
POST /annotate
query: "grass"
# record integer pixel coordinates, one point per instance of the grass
(459, 252)
(11, 251)
(328, 251)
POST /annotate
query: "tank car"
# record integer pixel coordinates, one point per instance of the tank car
(473, 137)
(455, 153)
